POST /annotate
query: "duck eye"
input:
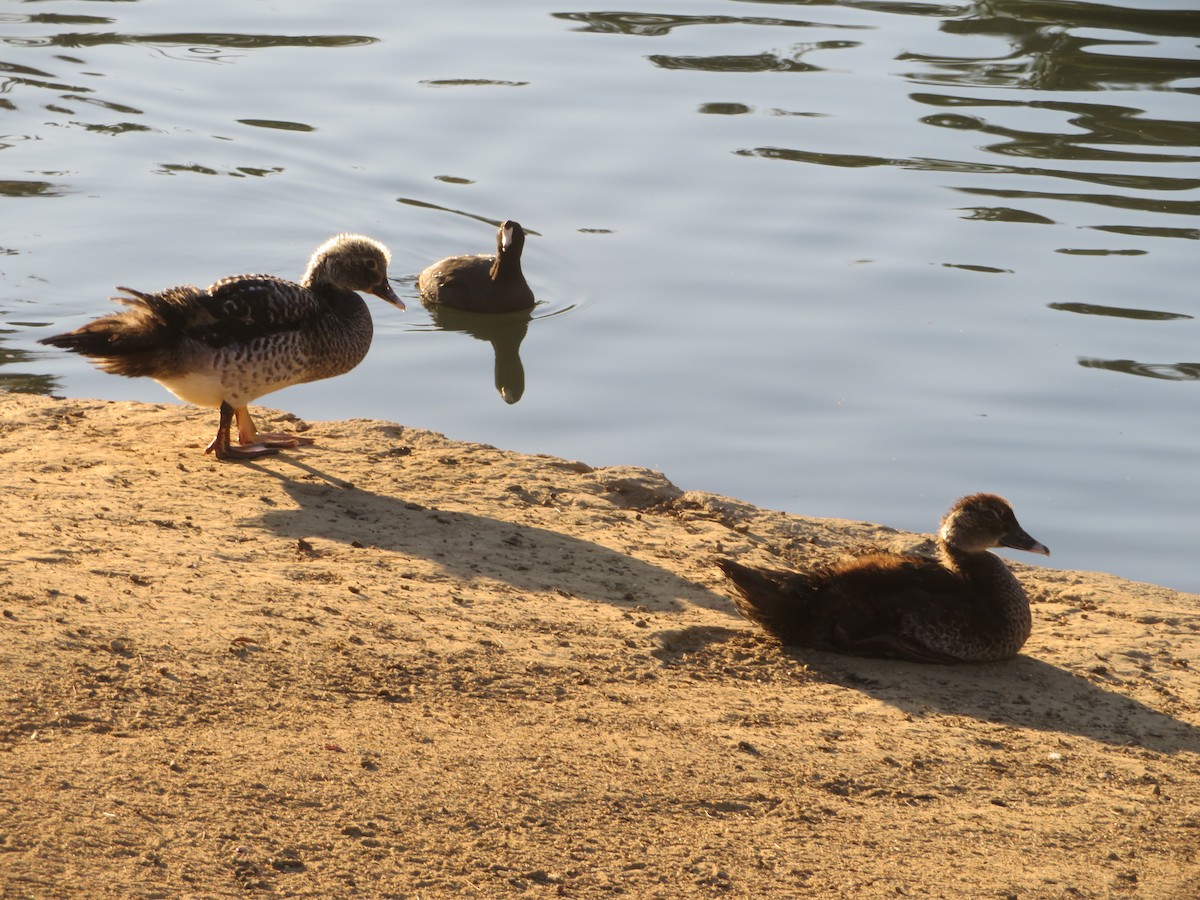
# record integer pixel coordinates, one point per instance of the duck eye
(373, 264)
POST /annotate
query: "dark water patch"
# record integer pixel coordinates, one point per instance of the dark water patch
(1096, 123)
(50, 85)
(1006, 214)
(1115, 201)
(106, 104)
(850, 160)
(118, 128)
(1056, 63)
(1021, 16)
(1047, 52)
(659, 24)
(841, 160)
(194, 39)
(276, 124)
(53, 19)
(1096, 309)
(31, 189)
(971, 267)
(1098, 251)
(758, 62)
(471, 82)
(15, 69)
(197, 169)
(1095, 128)
(1187, 234)
(724, 109)
(21, 382)
(1161, 371)
(18, 383)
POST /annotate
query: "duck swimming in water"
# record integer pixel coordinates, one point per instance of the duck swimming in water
(966, 606)
(482, 283)
(245, 336)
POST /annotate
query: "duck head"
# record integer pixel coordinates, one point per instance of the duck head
(981, 521)
(510, 238)
(353, 262)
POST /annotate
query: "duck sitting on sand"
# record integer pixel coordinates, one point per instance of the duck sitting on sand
(245, 336)
(966, 606)
(482, 283)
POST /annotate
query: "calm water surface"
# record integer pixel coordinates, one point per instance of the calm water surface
(839, 258)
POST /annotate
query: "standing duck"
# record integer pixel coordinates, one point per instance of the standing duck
(245, 336)
(482, 283)
(966, 606)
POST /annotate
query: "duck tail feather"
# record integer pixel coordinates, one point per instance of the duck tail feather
(772, 599)
(135, 342)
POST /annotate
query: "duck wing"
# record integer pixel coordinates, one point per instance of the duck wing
(906, 607)
(241, 309)
(878, 605)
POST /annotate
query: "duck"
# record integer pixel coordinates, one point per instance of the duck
(226, 345)
(482, 283)
(963, 606)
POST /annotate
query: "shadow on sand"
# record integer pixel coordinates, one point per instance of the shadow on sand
(466, 545)
(1022, 692)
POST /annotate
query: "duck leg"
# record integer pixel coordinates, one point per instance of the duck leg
(220, 446)
(249, 435)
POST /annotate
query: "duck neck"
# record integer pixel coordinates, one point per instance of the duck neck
(992, 581)
(505, 268)
(342, 336)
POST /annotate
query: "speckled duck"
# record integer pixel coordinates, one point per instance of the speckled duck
(245, 336)
(966, 606)
(481, 283)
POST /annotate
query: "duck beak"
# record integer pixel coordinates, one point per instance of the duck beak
(384, 291)
(1017, 539)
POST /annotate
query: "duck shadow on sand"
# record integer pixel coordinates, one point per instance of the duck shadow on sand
(466, 546)
(1023, 692)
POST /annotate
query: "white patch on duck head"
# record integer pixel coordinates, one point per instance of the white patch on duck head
(506, 239)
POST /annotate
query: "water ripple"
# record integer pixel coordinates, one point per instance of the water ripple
(758, 62)
(235, 41)
(659, 24)
(1161, 371)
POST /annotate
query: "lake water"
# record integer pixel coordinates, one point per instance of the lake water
(844, 259)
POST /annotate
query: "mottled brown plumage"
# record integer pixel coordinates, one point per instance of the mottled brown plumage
(482, 283)
(245, 336)
(966, 606)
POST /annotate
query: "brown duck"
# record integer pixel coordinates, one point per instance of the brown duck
(482, 283)
(245, 336)
(966, 606)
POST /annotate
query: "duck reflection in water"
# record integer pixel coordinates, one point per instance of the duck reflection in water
(965, 606)
(504, 331)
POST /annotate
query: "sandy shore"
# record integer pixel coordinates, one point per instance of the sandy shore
(396, 665)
